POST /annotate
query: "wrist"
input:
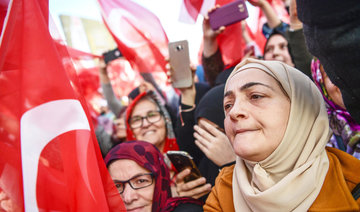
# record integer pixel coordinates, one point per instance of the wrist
(296, 26)
(262, 3)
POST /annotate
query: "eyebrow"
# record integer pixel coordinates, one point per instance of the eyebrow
(136, 175)
(251, 84)
(247, 86)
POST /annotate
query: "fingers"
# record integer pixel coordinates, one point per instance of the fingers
(249, 54)
(201, 134)
(197, 196)
(181, 175)
(220, 30)
(102, 65)
(193, 67)
(213, 8)
(195, 188)
(202, 147)
(206, 17)
(168, 72)
(209, 127)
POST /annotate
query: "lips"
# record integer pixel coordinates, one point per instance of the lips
(242, 131)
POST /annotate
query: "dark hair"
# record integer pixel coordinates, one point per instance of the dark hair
(278, 32)
(275, 32)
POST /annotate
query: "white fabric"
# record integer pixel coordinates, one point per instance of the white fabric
(292, 176)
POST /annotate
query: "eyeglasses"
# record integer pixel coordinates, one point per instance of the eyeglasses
(137, 182)
(151, 116)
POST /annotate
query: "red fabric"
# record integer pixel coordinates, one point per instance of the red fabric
(193, 7)
(77, 54)
(138, 34)
(50, 160)
(3, 10)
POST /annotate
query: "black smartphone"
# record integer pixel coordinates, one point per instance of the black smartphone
(182, 160)
(179, 60)
(112, 55)
(228, 14)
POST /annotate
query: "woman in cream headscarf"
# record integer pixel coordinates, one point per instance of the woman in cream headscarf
(276, 121)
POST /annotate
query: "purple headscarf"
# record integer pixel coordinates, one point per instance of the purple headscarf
(346, 131)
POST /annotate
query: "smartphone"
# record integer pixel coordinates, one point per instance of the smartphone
(111, 55)
(228, 14)
(182, 160)
(179, 60)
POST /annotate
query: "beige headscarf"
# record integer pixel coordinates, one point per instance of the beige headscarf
(291, 177)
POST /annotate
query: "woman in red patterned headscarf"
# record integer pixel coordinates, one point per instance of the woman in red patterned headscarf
(148, 120)
(143, 180)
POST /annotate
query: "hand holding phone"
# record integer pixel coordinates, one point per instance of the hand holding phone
(228, 14)
(179, 60)
(181, 160)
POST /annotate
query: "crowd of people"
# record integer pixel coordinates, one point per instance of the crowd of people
(277, 132)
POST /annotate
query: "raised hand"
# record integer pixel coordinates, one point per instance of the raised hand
(195, 189)
(213, 142)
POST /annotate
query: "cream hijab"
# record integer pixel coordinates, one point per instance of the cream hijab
(291, 177)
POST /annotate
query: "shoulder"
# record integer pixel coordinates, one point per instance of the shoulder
(342, 177)
(220, 198)
(223, 182)
(350, 166)
(226, 174)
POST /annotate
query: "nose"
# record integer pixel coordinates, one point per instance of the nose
(145, 122)
(277, 51)
(120, 126)
(239, 110)
(129, 195)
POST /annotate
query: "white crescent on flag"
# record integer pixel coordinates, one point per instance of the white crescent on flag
(38, 127)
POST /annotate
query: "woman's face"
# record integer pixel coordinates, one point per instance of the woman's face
(277, 49)
(134, 200)
(256, 114)
(120, 127)
(154, 133)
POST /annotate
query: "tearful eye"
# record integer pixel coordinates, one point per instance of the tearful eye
(227, 106)
(256, 96)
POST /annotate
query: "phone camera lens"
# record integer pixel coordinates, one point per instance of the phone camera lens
(179, 47)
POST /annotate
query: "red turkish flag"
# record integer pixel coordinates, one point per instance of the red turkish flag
(50, 160)
(138, 34)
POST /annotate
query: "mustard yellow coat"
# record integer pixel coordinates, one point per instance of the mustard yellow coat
(335, 195)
